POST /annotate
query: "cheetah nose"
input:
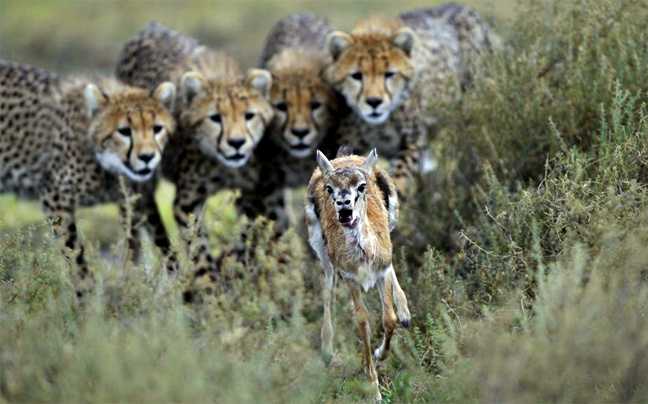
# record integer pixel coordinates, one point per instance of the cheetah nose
(300, 132)
(374, 101)
(236, 143)
(146, 157)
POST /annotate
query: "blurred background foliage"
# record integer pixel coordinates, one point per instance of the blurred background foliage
(523, 255)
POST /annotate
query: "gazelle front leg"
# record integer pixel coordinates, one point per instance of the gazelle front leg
(388, 316)
(402, 311)
(362, 318)
(327, 326)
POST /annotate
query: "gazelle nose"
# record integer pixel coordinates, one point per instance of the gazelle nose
(300, 132)
(345, 202)
(374, 101)
(146, 157)
(236, 143)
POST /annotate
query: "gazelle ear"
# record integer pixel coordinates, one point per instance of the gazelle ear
(370, 161)
(323, 163)
(404, 39)
(191, 84)
(260, 80)
(95, 99)
(165, 93)
(336, 42)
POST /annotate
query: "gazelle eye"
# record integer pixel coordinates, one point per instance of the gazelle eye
(389, 74)
(329, 189)
(362, 187)
(249, 116)
(216, 118)
(315, 105)
(157, 129)
(357, 76)
(281, 106)
(124, 132)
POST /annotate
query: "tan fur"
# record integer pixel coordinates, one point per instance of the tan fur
(388, 69)
(60, 142)
(225, 108)
(304, 103)
(222, 117)
(349, 202)
(376, 224)
(295, 54)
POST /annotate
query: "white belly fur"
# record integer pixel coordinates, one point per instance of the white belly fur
(365, 276)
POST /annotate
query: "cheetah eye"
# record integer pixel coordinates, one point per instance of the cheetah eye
(124, 132)
(362, 187)
(315, 105)
(329, 189)
(157, 129)
(216, 118)
(389, 74)
(357, 76)
(249, 116)
(281, 106)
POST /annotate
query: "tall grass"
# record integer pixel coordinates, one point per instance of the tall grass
(523, 259)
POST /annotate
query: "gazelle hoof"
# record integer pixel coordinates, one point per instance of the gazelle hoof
(407, 323)
(379, 355)
(327, 357)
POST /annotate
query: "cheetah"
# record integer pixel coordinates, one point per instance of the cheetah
(306, 112)
(66, 141)
(473, 32)
(387, 69)
(222, 115)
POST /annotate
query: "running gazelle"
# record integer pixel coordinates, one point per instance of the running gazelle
(351, 207)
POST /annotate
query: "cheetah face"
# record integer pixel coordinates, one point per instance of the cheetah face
(372, 74)
(228, 119)
(129, 130)
(304, 107)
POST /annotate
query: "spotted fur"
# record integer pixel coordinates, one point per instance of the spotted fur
(306, 112)
(67, 141)
(222, 116)
(389, 68)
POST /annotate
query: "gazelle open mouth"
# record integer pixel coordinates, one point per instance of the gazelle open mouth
(345, 217)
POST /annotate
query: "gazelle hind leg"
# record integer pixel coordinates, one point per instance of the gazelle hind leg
(327, 326)
(402, 311)
(388, 316)
(362, 318)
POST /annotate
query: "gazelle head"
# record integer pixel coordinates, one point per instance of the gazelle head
(346, 187)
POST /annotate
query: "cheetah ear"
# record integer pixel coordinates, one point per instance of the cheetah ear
(404, 39)
(370, 161)
(260, 80)
(191, 84)
(95, 99)
(323, 163)
(165, 93)
(338, 41)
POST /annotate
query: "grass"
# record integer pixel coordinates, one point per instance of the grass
(523, 258)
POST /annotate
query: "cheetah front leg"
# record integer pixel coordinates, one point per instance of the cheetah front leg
(191, 200)
(269, 201)
(405, 166)
(132, 218)
(145, 212)
(59, 208)
(160, 236)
